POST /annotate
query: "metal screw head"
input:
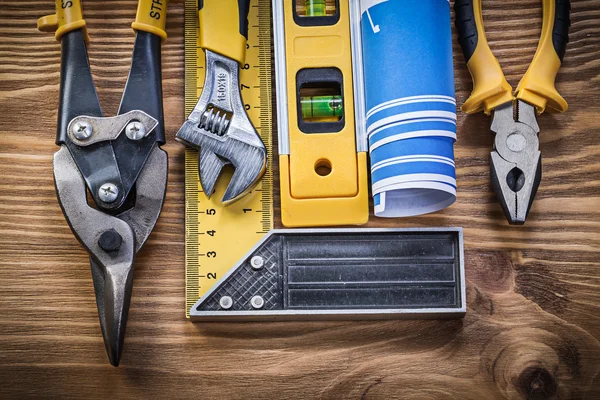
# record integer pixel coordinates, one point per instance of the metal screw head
(257, 302)
(135, 130)
(82, 130)
(226, 302)
(257, 262)
(108, 192)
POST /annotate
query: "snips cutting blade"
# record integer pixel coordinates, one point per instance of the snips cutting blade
(111, 241)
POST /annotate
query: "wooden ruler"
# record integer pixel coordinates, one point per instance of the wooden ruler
(217, 236)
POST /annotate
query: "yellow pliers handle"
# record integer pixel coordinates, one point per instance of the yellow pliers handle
(224, 27)
(151, 17)
(490, 88)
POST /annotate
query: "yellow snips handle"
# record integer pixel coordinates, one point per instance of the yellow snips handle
(537, 86)
(68, 18)
(224, 27)
(490, 88)
(151, 17)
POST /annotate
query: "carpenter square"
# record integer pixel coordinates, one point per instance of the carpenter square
(320, 274)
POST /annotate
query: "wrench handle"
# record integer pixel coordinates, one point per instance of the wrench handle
(224, 27)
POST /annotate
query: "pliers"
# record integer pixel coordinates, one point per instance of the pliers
(116, 160)
(219, 127)
(516, 164)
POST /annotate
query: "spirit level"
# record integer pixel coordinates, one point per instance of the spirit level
(323, 163)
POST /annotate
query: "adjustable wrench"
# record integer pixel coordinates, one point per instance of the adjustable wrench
(219, 126)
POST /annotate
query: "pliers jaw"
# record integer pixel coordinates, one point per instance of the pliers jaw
(516, 162)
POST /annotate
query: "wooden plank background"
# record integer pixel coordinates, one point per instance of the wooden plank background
(532, 328)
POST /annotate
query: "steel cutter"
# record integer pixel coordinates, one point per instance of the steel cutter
(117, 161)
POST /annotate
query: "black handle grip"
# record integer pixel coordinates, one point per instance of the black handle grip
(466, 27)
(244, 7)
(560, 30)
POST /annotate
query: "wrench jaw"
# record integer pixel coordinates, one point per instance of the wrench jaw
(250, 165)
(209, 168)
(214, 153)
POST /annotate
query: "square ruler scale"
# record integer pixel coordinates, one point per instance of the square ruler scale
(217, 236)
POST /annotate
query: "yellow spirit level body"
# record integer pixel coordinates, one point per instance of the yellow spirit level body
(323, 166)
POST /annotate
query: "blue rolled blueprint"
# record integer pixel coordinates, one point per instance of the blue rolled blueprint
(410, 104)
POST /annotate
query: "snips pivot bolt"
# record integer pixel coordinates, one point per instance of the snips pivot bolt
(135, 130)
(110, 240)
(108, 192)
(82, 130)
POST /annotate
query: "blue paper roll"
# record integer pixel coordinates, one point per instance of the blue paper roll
(410, 104)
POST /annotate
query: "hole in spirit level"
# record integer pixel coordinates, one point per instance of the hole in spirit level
(323, 167)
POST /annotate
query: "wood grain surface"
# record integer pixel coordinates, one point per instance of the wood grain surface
(532, 328)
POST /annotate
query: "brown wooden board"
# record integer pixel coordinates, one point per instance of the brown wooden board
(532, 328)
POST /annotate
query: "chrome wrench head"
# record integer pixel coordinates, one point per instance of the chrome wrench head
(516, 165)
(220, 129)
(112, 266)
